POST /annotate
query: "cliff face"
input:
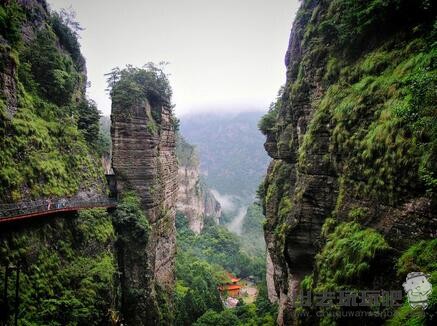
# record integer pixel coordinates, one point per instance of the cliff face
(144, 161)
(65, 261)
(195, 201)
(42, 90)
(350, 148)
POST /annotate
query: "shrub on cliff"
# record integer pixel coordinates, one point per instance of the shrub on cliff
(11, 16)
(353, 26)
(89, 121)
(54, 72)
(67, 29)
(347, 255)
(267, 123)
(132, 229)
(343, 263)
(131, 220)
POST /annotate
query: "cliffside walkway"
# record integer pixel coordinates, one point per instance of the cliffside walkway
(39, 208)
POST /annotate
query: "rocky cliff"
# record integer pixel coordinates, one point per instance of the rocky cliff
(351, 188)
(48, 128)
(195, 200)
(48, 133)
(144, 162)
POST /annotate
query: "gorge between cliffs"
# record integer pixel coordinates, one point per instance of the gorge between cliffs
(319, 210)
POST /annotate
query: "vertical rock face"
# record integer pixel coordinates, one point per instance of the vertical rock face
(195, 201)
(144, 161)
(8, 84)
(212, 208)
(320, 140)
(296, 203)
(271, 291)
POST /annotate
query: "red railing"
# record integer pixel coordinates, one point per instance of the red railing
(22, 210)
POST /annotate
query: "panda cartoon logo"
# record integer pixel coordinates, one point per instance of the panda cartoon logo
(418, 288)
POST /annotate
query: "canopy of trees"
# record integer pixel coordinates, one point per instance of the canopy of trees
(131, 85)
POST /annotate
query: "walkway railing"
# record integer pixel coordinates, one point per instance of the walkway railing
(43, 207)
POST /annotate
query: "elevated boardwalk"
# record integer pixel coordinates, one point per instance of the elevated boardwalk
(40, 208)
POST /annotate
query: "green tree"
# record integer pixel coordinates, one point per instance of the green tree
(88, 121)
(197, 286)
(67, 29)
(267, 123)
(213, 318)
(11, 17)
(131, 85)
(53, 71)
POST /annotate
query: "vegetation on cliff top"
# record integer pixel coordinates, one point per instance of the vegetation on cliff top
(132, 85)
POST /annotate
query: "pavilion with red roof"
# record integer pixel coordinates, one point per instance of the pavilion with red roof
(232, 289)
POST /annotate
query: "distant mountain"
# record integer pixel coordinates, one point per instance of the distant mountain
(195, 201)
(232, 157)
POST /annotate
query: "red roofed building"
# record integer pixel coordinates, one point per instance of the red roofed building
(232, 289)
(234, 279)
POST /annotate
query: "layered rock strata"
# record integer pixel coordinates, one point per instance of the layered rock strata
(144, 161)
(324, 165)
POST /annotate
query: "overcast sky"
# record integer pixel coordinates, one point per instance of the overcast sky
(225, 55)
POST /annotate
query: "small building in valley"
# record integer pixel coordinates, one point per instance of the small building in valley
(231, 288)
